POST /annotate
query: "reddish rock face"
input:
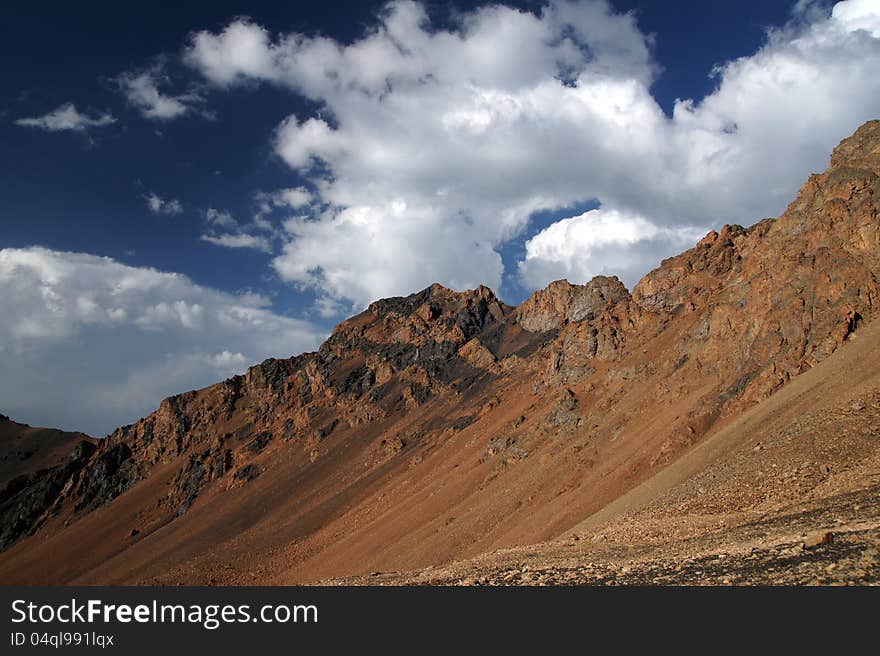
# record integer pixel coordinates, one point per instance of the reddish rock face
(447, 399)
(563, 303)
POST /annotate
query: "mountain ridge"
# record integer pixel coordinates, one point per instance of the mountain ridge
(591, 385)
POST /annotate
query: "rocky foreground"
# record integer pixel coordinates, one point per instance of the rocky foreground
(779, 550)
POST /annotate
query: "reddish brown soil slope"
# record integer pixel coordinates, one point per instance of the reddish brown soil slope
(740, 507)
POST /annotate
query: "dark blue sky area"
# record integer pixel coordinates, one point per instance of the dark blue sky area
(84, 192)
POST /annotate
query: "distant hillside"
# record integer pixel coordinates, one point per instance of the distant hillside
(24, 449)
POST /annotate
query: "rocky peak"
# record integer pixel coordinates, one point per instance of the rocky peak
(435, 296)
(435, 314)
(862, 147)
(838, 207)
(684, 280)
(562, 302)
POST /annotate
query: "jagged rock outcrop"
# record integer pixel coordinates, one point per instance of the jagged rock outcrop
(561, 303)
(27, 500)
(36, 465)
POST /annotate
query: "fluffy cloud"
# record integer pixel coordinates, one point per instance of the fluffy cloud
(242, 240)
(220, 218)
(159, 205)
(601, 242)
(434, 146)
(141, 89)
(66, 117)
(242, 235)
(859, 15)
(293, 198)
(90, 343)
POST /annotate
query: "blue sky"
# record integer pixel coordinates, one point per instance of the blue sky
(250, 180)
(84, 192)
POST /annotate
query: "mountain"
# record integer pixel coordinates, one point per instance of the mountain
(34, 464)
(25, 449)
(787, 493)
(448, 424)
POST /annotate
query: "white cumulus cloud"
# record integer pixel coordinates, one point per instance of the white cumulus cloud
(241, 240)
(292, 198)
(435, 145)
(142, 90)
(601, 242)
(239, 235)
(89, 343)
(159, 205)
(66, 118)
(220, 218)
(858, 15)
